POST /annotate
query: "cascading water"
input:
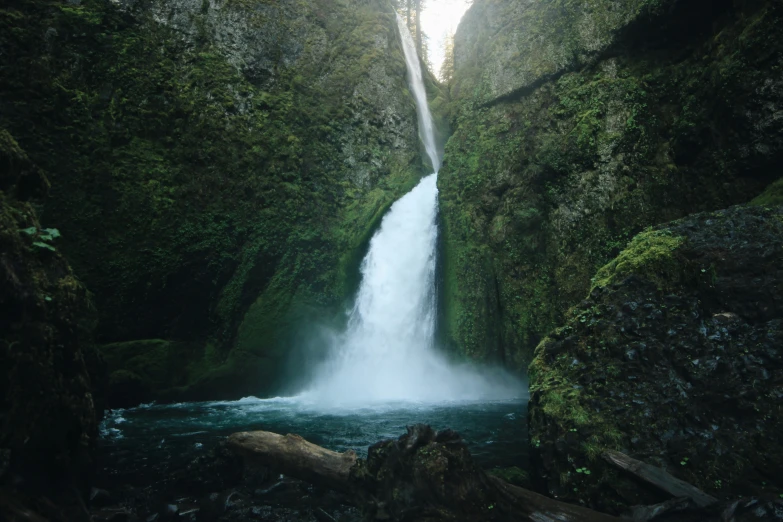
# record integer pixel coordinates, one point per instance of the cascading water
(387, 352)
(416, 82)
(384, 371)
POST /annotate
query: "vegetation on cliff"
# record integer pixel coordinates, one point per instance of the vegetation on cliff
(549, 174)
(216, 168)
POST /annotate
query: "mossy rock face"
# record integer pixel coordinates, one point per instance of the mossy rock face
(772, 196)
(542, 187)
(211, 158)
(50, 376)
(679, 368)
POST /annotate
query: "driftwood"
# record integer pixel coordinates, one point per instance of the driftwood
(422, 476)
(294, 456)
(659, 478)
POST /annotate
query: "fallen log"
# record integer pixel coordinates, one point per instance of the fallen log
(296, 457)
(422, 476)
(659, 478)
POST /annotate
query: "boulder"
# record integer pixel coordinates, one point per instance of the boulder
(676, 359)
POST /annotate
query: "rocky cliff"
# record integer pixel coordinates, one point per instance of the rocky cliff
(579, 124)
(216, 168)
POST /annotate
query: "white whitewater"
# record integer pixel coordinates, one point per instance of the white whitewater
(416, 83)
(387, 352)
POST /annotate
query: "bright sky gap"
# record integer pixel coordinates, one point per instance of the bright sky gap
(438, 18)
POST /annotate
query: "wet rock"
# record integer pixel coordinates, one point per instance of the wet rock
(701, 398)
(233, 501)
(5, 457)
(261, 511)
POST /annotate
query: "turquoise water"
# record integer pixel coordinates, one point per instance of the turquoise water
(141, 445)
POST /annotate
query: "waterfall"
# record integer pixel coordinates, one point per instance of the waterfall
(387, 352)
(416, 82)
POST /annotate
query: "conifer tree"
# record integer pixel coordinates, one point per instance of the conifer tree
(447, 67)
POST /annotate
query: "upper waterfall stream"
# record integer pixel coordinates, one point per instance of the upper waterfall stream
(387, 352)
(416, 82)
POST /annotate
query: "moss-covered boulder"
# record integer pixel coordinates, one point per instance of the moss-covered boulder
(674, 112)
(48, 369)
(216, 166)
(675, 359)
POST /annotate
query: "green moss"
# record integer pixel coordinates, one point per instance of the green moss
(651, 255)
(563, 404)
(558, 396)
(469, 292)
(772, 196)
(10, 151)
